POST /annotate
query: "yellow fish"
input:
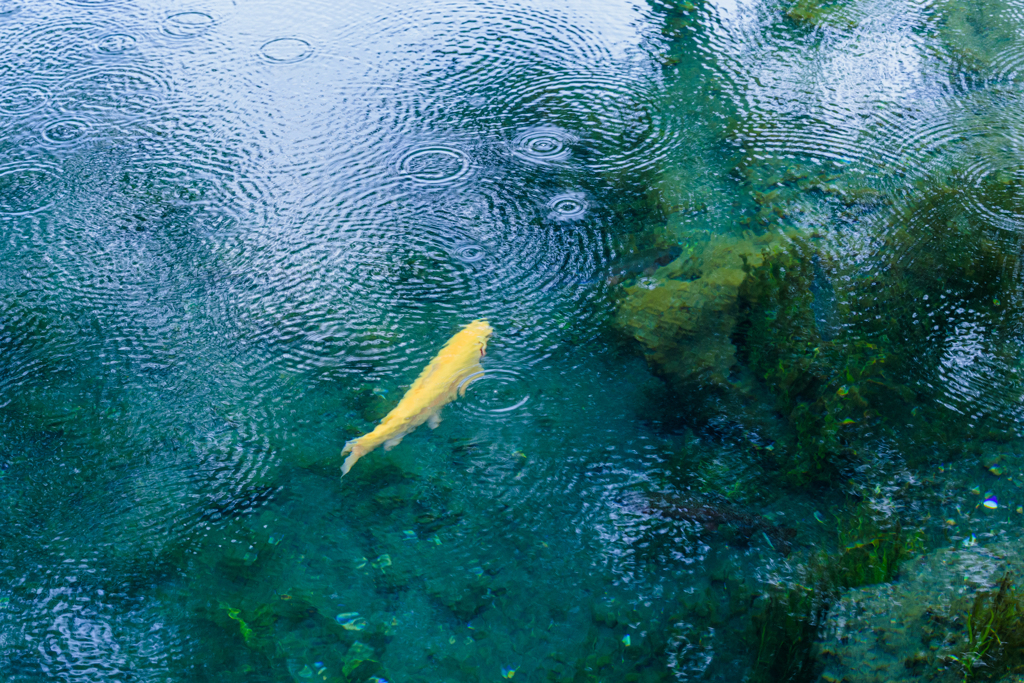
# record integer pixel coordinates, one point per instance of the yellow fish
(443, 378)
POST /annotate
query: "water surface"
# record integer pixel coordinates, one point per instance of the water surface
(232, 234)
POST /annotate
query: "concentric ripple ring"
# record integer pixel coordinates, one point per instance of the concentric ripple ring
(65, 131)
(569, 206)
(23, 100)
(187, 24)
(470, 253)
(996, 191)
(436, 165)
(544, 145)
(27, 187)
(286, 50)
(116, 43)
(494, 392)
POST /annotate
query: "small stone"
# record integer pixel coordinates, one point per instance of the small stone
(351, 621)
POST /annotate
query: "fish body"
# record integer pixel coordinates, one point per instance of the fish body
(440, 382)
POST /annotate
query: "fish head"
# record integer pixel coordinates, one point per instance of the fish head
(479, 332)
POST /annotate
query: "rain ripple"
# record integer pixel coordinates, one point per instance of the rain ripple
(435, 165)
(286, 50)
(28, 186)
(188, 24)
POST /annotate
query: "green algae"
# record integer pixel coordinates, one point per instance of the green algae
(991, 642)
(759, 292)
(253, 634)
(871, 549)
(684, 315)
(295, 638)
(846, 361)
(786, 626)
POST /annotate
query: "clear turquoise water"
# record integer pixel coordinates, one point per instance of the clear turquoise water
(233, 233)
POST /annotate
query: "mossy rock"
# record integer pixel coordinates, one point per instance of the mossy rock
(684, 315)
(931, 623)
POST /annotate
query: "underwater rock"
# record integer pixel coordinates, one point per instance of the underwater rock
(917, 628)
(685, 314)
(298, 637)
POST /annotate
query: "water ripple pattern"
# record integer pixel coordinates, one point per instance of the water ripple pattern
(437, 165)
(544, 145)
(286, 50)
(233, 233)
(568, 206)
(188, 24)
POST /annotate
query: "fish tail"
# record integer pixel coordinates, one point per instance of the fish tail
(355, 450)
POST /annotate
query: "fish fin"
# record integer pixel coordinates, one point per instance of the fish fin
(391, 443)
(355, 452)
(434, 420)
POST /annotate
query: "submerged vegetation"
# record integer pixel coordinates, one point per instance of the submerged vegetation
(851, 356)
(991, 638)
(786, 628)
(870, 550)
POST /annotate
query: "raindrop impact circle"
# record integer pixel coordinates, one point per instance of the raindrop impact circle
(470, 253)
(26, 188)
(544, 145)
(116, 43)
(434, 165)
(187, 24)
(495, 392)
(286, 50)
(568, 207)
(65, 131)
(22, 100)
(997, 192)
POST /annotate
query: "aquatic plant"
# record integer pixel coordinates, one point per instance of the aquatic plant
(828, 389)
(728, 302)
(293, 636)
(785, 629)
(254, 632)
(992, 639)
(871, 550)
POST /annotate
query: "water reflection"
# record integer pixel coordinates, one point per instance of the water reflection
(231, 246)
(232, 237)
